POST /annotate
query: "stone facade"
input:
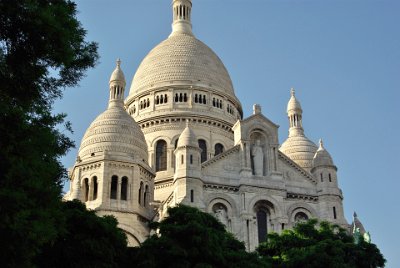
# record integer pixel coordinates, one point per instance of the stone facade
(180, 137)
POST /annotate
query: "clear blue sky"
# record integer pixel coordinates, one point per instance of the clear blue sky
(341, 56)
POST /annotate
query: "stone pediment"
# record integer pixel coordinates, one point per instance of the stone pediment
(292, 171)
(256, 122)
(226, 162)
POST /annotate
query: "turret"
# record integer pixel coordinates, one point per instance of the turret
(330, 196)
(117, 86)
(187, 178)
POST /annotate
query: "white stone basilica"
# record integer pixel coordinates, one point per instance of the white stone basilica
(180, 137)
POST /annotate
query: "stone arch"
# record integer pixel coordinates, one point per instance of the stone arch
(300, 207)
(134, 234)
(154, 141)
(223, 208)
(225, 199)
(277, 210)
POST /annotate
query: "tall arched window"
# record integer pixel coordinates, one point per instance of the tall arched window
(161, 155)
(140, 193)
(203, 147)
(95, 187)
(86, 188)
(262, 225)
(124, 188)
(114, 187)
(146, 196)
(218, 148)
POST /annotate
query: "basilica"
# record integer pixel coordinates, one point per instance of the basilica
(180, 137)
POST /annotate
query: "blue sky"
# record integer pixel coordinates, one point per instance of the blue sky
(342, 57)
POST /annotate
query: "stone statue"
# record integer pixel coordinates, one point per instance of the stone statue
(258, 159)
(367, 237)
(357, 235)
(221, 215)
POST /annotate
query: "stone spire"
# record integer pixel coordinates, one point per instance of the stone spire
(295, 114)
(181, 13)
(117, 85)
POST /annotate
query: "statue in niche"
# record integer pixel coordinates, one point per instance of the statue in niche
(221, 214)
(257, 156)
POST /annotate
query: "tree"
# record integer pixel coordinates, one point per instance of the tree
(86, 240)
(42, 51)
(325, 246)
(191, 238)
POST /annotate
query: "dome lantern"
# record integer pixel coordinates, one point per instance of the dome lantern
(297, 146)
(117, 85)
(181, 13)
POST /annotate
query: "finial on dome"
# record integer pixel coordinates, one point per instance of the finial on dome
(187, 122)
(118, 63)
(354, 215)
(321, 144)
(292, 92)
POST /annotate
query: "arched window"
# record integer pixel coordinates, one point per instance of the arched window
(146, 196)
(203, 147)
(262, 225)
(86, 188)
(300, 217)
(161, 155)
(95, 187)
(114, 187)
(140, 193)
(124, 188)
(330, 177)
(218, 148)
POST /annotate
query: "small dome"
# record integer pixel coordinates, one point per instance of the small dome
(293, 104)
(116, 133)
(117, 75)
(187, 138)
(182, 59)
(300, 149)
(322, 157)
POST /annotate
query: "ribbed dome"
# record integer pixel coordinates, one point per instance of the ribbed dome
(117, 133)
(300, 149)
(322, 157)
(187, 138)
(182, 59)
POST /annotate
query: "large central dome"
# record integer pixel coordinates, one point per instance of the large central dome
(182, 59)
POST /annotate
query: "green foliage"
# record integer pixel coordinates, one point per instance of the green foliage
(85, 241)
(191, 238)
(42, 50)
(325, 246)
